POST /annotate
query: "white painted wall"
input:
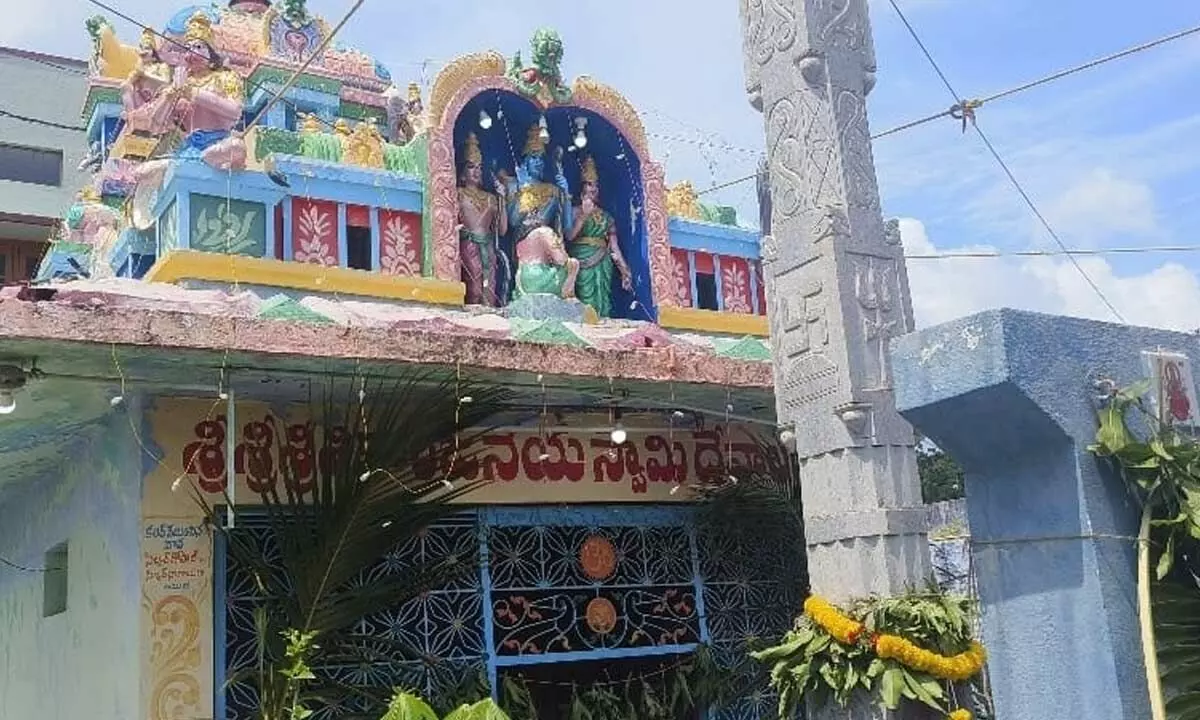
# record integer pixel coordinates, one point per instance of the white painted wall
(85, 662)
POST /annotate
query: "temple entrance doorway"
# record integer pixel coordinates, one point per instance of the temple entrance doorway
(553, 686)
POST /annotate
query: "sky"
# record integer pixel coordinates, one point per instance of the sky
(1109, 156)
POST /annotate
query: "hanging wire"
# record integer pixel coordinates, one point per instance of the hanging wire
(1004, 166)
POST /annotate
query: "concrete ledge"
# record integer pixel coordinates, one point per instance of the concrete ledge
(876, 523)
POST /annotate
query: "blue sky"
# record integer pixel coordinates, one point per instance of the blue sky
(1110, 156)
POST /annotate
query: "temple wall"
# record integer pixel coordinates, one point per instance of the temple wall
(82, 662)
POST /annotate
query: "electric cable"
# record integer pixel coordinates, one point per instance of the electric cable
(1004, 166)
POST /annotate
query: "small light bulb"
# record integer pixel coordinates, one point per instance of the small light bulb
(223, 395)
(447, 484)
(386, 524)
(633, 305)
(116, 401)
(786, 437)
(674, 489)
(620, 156)
(544, 134)
(733, 480)
(678, 414)
(366, 476)
(8, 402)
(175, 485)
(618, 435)
(466, 399)
(485, 120)
(580, 139)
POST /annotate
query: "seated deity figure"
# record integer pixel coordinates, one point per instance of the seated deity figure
(149, 76)
(482, 222)
(204, 99)
(592, 240)
(537, 213)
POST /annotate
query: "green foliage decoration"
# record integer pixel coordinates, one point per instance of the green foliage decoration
(1160, 466)
(811, 666)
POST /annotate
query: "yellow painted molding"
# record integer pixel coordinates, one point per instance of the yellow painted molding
(129, 145)
(216, 267)
(713, 322)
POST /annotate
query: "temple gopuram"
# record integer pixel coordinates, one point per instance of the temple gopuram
(269, 209)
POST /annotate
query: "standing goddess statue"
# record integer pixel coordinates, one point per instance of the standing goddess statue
(592, 241)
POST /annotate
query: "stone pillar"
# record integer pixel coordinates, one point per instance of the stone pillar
(1011, 396)
(836, 290)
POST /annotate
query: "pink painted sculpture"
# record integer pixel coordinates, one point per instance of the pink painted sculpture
(204, 99)
(482, 223)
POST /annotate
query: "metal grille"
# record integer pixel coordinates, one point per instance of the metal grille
(668, 586)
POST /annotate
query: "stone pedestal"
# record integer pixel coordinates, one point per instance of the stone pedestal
(1010, 396)
(550, 307)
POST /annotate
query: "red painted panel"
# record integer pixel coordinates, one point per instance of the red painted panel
(399, 243)
(358, 216)
(681, 278)
(735, 285)
(704, 263)
(314, 232)
(762, 288)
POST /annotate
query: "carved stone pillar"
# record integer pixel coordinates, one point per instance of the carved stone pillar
(837, 291)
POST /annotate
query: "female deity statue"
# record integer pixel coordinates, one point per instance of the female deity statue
(537, 213)
(482, 221)
(592, 241)
(205, 99)
(149, 76)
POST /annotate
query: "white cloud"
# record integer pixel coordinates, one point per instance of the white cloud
(1100, 206)
(1165, 297)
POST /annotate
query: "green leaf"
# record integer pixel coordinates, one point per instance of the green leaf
(1167, 558)
(890, 688)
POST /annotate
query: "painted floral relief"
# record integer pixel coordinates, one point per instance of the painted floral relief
(682, 282)
(735, 286)
(398, 254)
(315, 229)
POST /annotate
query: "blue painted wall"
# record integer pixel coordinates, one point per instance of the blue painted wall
(86, 661)
(1010, 396)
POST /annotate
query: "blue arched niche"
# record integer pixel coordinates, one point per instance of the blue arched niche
(618, 165)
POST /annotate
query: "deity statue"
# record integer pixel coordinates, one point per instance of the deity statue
(543, 79)
(537, 213)
(482, 221)
(205, 99)
(148, 77)
(592, 240)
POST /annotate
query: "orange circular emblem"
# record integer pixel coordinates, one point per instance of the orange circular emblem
(598, 558)
(601, 615)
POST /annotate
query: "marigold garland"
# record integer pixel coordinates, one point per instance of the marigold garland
(847, 631)
(960, 714)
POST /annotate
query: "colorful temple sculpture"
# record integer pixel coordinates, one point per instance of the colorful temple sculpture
(507, 189)
(268, 209)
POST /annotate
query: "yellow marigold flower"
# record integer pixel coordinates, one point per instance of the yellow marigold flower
(960, 714)
(842, 628)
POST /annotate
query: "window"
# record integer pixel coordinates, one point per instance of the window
(54, 581)
(31, 267)
(3, 269)
(358, 247)
(31, 165)
(706, 291)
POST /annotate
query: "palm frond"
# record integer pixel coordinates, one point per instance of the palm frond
(393, 456)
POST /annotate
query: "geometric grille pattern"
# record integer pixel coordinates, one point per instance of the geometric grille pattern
(542, 602)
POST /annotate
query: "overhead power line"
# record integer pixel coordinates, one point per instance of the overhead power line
(40, 121)
(994, 254)
(971, 105)
(1004, 166)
